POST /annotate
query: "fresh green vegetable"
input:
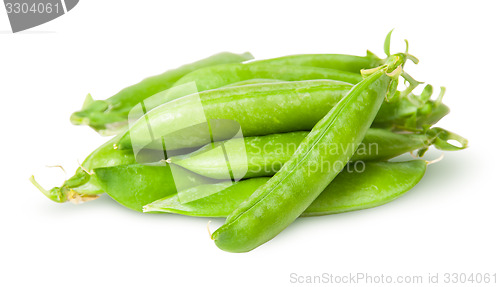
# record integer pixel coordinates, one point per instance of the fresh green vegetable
(218, 76)
(405, 113)
(322, 124)
(289, 192)
(374, 184)
(259, 109)
(135, 185)
(265, 155)
(221, 75)
(348, 63)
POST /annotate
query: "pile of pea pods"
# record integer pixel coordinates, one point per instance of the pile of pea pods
(262, 142)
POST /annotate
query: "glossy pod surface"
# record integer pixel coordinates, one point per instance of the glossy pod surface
(258, 109)
(265, 155)
(222, 75)
(276, 204)
(341, 62)
(135, 185)
(228, 75)
(377, 184)
(405, 113)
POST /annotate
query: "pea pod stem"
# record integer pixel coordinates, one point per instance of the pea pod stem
(53, 194)
(63, 194)
(83, 185)
(442, 138)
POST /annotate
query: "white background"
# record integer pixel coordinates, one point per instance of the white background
(448, 223)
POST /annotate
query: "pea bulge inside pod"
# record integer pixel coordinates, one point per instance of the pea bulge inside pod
(260, 109)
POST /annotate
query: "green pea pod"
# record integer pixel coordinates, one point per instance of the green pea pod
(110, 116)
(292, 68)
(259, 109)
(348, 63)
(135, 185)
(375, 184)
(289, 68)
(218, 76)
(265, 155)
(405, 113)
(276, 204)
(339, 67)
(221, 75)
